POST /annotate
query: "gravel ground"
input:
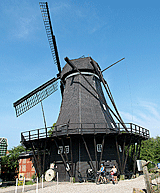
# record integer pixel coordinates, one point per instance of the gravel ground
(125, 186)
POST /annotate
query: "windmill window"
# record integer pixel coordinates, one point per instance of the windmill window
(112, 125)
(60, 149)
(67, 149)
(104, 107)
(99, 147)
(120, 149)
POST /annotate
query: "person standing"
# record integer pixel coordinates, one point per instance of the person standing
(114, 170)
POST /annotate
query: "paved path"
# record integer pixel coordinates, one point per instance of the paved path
(125, 186)
(27, 188)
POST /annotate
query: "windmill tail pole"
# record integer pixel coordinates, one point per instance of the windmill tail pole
(113, 64)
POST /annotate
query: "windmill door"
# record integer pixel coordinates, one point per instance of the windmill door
(62, 173)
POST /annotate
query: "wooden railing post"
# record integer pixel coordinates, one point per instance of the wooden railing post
(81, 128)
(131, 127)
(67, 129)
(56, 130)
(29, 135)
(22, 137)
(46, 132)
(38, 133)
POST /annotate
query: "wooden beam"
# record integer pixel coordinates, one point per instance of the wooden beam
(95, 151)
(44, 155)
(102, 149)
(119, 159)
(35, 159)
(125, 162)
(71, 154)
(64, 161)
(139, 149)
(65, 152)
(124, 143)
(133, 153)
(88, 153)
(135, 157)
(39, 161)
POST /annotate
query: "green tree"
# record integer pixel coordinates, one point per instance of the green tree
(52, 129)
(150, 150)
(10, 164)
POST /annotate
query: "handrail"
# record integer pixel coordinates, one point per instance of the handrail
(83, 128)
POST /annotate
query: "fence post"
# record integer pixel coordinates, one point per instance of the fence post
(37, 186)
(16, 185)
(57, 178)
(42, 181)
(23, 184)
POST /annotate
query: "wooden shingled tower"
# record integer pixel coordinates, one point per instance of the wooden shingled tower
(80, 103)
(87, 132)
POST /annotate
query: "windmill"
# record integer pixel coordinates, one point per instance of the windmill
(85, 134)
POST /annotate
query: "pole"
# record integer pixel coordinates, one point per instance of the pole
(43, 115)
(23, 184)
(37, 186)
(42, 181)
(16, 185)
(113, 64)
(57, 178)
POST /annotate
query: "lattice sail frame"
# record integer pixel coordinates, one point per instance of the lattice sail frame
(49, 31)
(35, 97)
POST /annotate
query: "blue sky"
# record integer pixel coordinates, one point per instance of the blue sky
(105, 30)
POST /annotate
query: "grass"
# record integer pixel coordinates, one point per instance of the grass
(29, 183)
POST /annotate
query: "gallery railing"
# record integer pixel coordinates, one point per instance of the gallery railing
(83, 128)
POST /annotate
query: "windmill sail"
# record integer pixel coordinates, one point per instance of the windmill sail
(36, 96)
(51, 38)
(49, 31)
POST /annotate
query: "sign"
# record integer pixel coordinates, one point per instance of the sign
(139, 165)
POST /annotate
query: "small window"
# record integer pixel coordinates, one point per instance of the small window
(112, 125)
(99, 147)
(24, 161)
(67, 149)
(60, 149)
(120, 149)
(23, 168)
(104, 106)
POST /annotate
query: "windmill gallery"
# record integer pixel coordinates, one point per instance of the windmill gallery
(88, 132)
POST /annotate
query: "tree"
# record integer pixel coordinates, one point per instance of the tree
(10, 164)
(150, 150)
(51, 130)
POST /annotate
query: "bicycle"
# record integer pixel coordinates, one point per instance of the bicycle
(100, 178)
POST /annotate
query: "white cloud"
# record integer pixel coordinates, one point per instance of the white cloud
(146, 115)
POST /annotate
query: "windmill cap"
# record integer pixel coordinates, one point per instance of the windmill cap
(83, 64)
